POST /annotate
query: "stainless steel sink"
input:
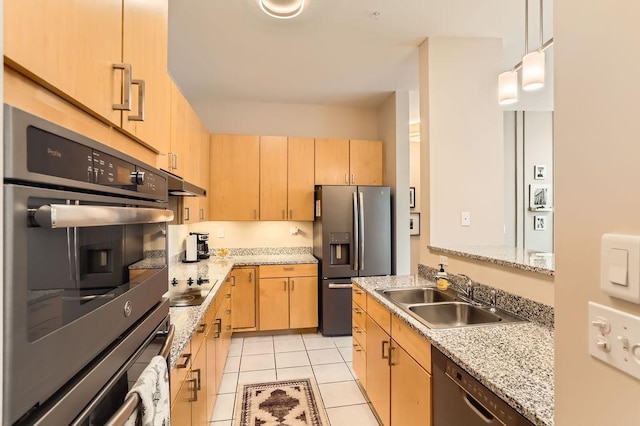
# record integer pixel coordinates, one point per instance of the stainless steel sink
(417, 295)
(443, 309)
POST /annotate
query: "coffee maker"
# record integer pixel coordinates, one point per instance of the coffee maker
(202, 243)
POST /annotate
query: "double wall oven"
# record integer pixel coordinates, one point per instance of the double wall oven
(76, 215)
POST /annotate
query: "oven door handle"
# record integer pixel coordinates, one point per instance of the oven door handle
(79, 216)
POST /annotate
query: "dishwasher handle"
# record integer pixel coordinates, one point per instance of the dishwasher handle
(484, 414)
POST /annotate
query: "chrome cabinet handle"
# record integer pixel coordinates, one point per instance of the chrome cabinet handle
(175, 161)
(353, 178)
(187, 359)
(346, 178)
(284, 287)
(141, 100)
(391, 349)
(293, 285)
(126, 93)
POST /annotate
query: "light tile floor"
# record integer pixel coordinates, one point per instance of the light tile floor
(282, 357)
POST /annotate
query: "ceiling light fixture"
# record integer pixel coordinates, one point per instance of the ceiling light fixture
(532, 63)
(282, 9)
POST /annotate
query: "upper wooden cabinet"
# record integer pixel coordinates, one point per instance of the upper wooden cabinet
(286, 178)
(234, 177)
(178, 147)
(365, 162)
(71, 48)
(332, 162)
(348, 162)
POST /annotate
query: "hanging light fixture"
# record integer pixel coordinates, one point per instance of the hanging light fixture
(508, 87)
(282, 9)
(533, 63)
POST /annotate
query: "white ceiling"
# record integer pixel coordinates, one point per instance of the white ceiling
(335, 53)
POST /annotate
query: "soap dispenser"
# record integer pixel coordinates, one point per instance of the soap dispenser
(442, 283)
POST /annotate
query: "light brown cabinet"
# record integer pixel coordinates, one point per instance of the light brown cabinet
(393, 364)
(286, 178)
(288, 296)
(348, 162)
(243, 298)
(71, 47)
(198, 374)
(235, 177)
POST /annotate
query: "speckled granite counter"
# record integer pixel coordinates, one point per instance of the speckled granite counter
(186, 319)
(528, 260)
(515, 361)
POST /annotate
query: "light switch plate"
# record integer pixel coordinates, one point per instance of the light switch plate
(620, 266)
(619, 341)
(465, 218)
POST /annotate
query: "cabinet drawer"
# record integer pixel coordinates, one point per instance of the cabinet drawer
(413, 343)
(359, 316)
(360, 364)
(199, 334)
(379, 314)
(283, 271)
(359, 336)
(359, 296)
(179, 373)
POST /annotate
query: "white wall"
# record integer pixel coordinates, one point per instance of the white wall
(393, 130)
(596, 152)
(465, 136)
(276, 119)
(257, 234)
(527, 284)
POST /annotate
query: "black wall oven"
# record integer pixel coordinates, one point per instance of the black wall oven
(76, 214)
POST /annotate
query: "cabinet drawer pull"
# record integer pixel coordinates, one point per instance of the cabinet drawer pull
(357, 310)
(357, 348)
(142, 93)
(228, 312)
(195, 390)
(356, 291)
(250, 277)
(357, 329)
(218, 323)
(285, 285)
(346, 178)
(233, 281)
(228, 327)
(288, 268)
(198, 380)
(126, 93)
(202, 328)
(385, 353)
(185, 364)
(293, 285)
(227, 296)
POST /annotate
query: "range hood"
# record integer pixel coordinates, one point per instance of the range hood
(181, 188)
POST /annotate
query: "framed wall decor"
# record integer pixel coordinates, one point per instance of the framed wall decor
(412, 197)
(539, 223)
(540, 197)
(414, 223)
(539, 172)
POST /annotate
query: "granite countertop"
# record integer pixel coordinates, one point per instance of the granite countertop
(186, 319)
(515, 361)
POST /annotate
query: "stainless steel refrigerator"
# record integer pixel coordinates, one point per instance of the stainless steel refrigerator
(351, 238)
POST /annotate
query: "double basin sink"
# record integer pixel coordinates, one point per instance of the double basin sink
(445, 309)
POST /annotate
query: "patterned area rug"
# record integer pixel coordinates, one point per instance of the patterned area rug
(287, 402)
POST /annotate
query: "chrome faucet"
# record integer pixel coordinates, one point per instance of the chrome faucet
(467, 287)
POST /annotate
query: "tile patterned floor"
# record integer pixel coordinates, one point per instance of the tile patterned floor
(267, 358)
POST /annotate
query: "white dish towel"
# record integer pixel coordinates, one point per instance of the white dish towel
(153, 389)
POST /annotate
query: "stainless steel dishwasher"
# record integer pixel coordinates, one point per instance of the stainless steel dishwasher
(460, 400)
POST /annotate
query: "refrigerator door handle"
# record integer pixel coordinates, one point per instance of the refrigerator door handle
(339, 286)
(361, 242)
(356, 228)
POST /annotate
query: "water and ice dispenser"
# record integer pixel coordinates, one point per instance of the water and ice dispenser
(340, 248)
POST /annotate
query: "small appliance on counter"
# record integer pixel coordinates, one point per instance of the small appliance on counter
(191, 253)
(203, 244)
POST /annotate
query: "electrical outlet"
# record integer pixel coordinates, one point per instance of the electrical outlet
(465, 218)
(444, 260)
(220, 232)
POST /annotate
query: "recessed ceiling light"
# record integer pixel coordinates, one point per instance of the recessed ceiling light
(282, 9)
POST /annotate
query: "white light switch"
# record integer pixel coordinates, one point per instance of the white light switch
(620, 266)
(617, 344)
(220, 232)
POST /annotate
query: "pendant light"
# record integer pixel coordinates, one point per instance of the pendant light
(282, 9)
(532, 63)
(508, 87)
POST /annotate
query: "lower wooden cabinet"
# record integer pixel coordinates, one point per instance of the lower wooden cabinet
(393, 364)
(243, 298)
(288, 296)
(196, 378)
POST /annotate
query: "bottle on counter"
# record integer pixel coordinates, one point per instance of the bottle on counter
(442, 282)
